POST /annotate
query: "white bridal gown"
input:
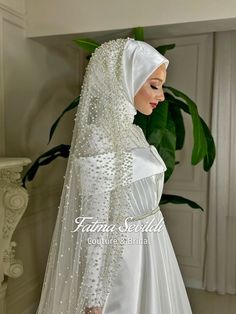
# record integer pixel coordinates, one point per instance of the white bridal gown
(149, 279)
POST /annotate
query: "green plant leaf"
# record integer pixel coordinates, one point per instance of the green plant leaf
(211, 149)
(139, 33)
(162, 49)
(87, 44)
(158, 118)
(163, 129)
(179, 125)
(161, 133)
(200, 144)
(44, 159)
(142, 121)
(71, 106)
(176, 102)
(176, 199)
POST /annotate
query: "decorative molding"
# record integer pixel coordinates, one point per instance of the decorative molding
(13, 203)
(15, 7)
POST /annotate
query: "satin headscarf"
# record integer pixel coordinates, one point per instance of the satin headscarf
(140, 60)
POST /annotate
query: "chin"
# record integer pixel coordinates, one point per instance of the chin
(146, 112)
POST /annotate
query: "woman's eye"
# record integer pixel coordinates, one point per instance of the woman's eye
(154, 87)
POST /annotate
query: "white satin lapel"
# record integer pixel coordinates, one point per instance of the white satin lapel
(146, 162)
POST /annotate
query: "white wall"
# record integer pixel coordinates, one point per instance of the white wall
(37, 82)
(52, 17)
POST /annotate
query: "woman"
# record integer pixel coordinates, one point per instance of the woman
(110, 252)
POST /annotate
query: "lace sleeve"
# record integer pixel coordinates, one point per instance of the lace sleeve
(95, 187)
(96, 244)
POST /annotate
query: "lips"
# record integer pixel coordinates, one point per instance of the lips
(153, 104)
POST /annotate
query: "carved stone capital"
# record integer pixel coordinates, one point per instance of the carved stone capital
(13, 203)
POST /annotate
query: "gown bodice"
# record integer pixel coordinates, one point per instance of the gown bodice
(148, 180)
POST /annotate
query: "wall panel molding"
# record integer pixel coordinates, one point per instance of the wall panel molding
(5, 17)
(14, 7)
(2, 110)
(190, 71)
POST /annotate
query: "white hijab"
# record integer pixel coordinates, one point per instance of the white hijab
(140, 60)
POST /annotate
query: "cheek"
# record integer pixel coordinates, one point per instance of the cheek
(144, 95)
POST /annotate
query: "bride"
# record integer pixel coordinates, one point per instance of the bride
(114, 178)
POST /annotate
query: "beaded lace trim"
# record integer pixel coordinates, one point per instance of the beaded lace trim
(140, 217)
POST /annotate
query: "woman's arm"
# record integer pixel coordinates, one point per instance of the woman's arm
(96, 249)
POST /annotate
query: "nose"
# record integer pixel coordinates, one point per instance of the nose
(160, 96)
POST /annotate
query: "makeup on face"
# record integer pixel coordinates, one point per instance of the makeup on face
(151, 93)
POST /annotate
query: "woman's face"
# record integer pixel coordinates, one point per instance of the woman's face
(151, 93)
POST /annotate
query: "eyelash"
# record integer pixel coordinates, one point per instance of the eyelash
(153, 87)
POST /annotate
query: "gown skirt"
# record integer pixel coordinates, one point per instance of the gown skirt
(149, 280)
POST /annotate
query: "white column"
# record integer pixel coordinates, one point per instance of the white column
(13, 203)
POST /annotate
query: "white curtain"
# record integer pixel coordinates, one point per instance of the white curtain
(220, 261)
